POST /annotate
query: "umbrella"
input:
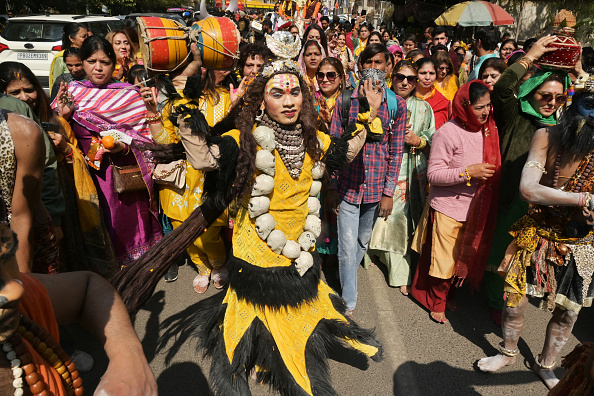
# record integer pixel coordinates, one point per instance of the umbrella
(475, 13)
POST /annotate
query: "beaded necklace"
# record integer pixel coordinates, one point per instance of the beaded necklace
(289, 144)
(587, 169)
(22, 364)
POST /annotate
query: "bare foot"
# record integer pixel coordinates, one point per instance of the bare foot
(404, 290)
(494, 363)
(547, 375)
(439, 317)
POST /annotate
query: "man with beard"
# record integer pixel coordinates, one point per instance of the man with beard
(551, 255)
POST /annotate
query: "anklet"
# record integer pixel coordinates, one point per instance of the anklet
(508, 352)
(542, 366)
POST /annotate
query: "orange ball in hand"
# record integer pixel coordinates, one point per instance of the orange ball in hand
(108, 142)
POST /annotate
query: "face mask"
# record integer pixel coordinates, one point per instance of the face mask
(377, 76)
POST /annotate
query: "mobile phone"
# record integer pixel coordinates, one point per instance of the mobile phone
(364, 12)
(50, 127)
(144, 81)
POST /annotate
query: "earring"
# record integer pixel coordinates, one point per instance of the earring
(259, 115)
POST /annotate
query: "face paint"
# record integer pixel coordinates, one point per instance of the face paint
(585, 107)
(283, 98)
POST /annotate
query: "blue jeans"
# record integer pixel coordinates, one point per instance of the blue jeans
(355, 224)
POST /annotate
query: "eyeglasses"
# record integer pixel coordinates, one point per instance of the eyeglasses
(401, 77)
(548, 97)
(445, 68)
(331, 76)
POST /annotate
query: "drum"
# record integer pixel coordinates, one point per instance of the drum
(218, 40)
(163, 43)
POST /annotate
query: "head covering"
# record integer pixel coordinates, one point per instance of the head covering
(518, 51)
(476, 242)
(462, 110)
(528, 88)
(395, 48)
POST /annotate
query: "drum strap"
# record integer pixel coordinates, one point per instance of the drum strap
(191, 34)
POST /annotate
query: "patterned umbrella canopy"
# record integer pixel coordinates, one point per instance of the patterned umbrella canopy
(475, 13)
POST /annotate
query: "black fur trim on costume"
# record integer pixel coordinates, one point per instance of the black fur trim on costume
(363, 104)
(258, 348)
(274, 287)
(192, 116)
(193, 88)
(336, 156)
(164, 153)
(352, 330)
(218, 183)
(165, 86)
(228, 123)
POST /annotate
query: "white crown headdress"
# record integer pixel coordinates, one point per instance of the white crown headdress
(285, 47)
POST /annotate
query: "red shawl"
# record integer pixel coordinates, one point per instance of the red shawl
(476, 243)
(441, 107)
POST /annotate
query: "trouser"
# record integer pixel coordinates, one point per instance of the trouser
(208, 250)
(355, 224)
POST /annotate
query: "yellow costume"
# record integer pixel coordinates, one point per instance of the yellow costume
(208, 251)
(291, 323)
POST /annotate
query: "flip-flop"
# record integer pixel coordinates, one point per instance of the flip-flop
(443, 321)
(201, 283)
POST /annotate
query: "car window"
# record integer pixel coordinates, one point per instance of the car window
(33, 31)
(101, 28)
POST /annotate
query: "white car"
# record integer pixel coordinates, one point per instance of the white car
(35, 39)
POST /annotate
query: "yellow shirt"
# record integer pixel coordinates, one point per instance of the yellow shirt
(178, 204)
(288, 206)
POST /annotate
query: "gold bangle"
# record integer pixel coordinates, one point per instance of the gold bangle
(526, 62)
(422, 143)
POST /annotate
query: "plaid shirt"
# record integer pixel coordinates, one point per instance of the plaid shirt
(374, 171)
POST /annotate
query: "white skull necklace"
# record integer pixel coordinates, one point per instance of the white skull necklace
(259, 204)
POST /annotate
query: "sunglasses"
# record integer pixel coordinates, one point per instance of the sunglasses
(548, 97)
(444, 68)
(331, 76)
(401, 77)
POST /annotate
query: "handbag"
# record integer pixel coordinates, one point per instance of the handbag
(127, 178)
(172, 174)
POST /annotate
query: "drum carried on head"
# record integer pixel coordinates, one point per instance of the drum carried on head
(165, 43)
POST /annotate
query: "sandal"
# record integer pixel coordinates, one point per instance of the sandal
(438, 320)
(219, 277)
(201, 283)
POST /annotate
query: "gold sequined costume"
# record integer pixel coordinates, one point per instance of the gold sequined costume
(552, 254)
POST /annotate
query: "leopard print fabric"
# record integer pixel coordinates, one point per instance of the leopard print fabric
(7, 163)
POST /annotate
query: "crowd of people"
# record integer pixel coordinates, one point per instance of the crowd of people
(450, 163)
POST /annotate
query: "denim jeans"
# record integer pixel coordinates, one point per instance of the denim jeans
(355, 224)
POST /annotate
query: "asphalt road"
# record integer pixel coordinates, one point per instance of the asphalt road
(421, 356)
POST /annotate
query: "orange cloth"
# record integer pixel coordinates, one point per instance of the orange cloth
(36, 305)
